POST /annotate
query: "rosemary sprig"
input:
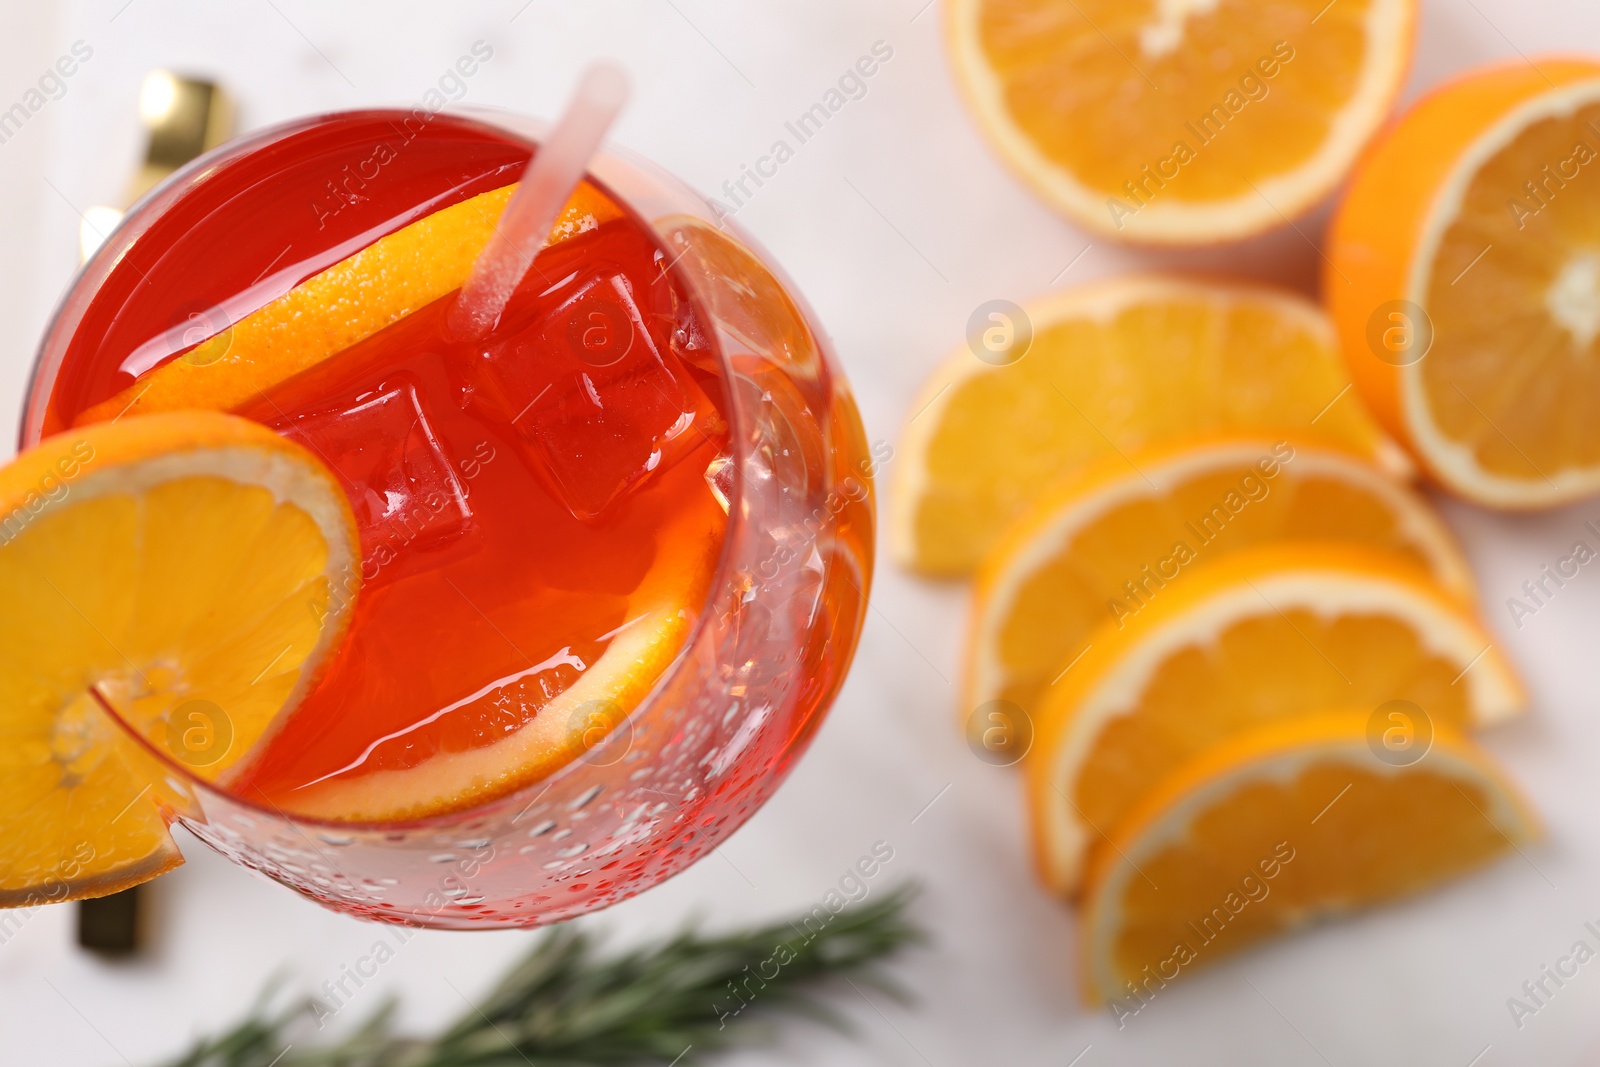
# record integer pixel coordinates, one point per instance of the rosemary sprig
(566, 1005)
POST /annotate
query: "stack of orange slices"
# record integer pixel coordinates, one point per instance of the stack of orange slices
(1228, 643)
(1238, 656)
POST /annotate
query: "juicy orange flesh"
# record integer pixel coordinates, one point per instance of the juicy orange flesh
(1106, 88)
(172, 595)
(1156, 371)
(1386, 836)
(1062, 602)
(1507, 377)
(1260, 670)
(74, 824)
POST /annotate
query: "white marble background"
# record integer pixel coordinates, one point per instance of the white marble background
(895, 222)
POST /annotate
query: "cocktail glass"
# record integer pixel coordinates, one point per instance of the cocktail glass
(766, 654)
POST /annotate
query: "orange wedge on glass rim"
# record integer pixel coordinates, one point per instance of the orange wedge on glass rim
(1255, 638)
(1088, 551)
(1277, 828)
(1464, 279)
(178, 568)
(348, 302)
(1180, 121)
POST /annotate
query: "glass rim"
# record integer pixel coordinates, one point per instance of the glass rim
(87, 280)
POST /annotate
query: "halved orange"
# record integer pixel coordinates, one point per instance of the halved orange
(1091, 549)
(1111, 368)
(1180, 121)
(1465, 282)
(1257, 637)
(1269, 830)
(182, 567)
(348, 302)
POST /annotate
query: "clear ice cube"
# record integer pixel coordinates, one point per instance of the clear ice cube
(403, 488)
(588, 393)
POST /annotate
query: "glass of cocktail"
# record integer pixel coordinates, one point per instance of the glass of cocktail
(613, 555)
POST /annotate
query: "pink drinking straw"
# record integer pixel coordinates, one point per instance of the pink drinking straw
(546, 186)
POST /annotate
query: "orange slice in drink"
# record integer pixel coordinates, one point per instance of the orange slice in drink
(1093, 549)
(1277, 828)
(1465, 282)
(579, 722)
(745, 298)
(346, 303)
(1110, 368)
(1180, 121)
(1258, 637)
(180, 569)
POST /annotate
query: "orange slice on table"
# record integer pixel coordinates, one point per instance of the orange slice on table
(1111, 368)
(1465, 281)
(1087, 549)
(1180, 121)
(1257, 637)
(184, 566)
(348, 302)
(1277, 828)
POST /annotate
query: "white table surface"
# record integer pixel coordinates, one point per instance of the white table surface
(896, 222)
